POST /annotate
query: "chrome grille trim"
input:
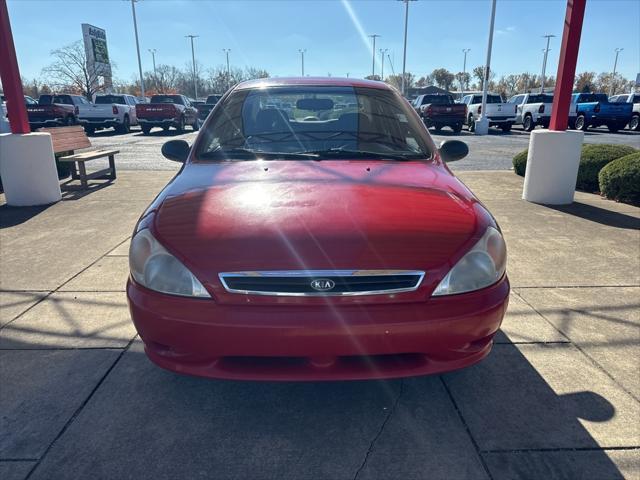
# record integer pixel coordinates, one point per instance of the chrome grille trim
(223, 276)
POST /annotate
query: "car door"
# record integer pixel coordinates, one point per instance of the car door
(189, 112)
(518, 102)
(131, 103)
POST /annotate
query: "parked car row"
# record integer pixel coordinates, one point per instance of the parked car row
(117, 111)
(529, 110)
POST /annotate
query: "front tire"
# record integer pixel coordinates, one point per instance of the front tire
(528, 124)
(613, 127)
(457, 128)
(634, 123)
(196, 125)
(146, 129)
(581, 123)
(506, 127)
(89, 130)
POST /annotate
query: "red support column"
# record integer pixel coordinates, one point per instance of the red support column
(11, 75)
(567, 64)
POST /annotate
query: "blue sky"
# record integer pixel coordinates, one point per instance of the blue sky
(268, 34)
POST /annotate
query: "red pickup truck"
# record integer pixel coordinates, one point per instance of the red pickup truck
(167, 111)
(54, 110)
(440, 110)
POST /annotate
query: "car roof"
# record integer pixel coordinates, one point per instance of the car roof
(312, 81)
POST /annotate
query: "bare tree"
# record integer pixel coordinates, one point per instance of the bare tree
(478, 72)
(71, 70)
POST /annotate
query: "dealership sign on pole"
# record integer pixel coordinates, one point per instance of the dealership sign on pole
(95, 46)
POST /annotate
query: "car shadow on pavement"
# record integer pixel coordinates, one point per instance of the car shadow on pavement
(12, 216)
(499, 419)
(599, 215)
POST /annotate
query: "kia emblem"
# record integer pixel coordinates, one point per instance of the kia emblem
(322, 284)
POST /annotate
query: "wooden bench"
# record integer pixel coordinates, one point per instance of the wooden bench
(68, 139)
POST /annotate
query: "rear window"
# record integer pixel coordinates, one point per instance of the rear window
(437, 99)
(107, 99)
(592, 97)
(167, 99)
(540, 98)
(490, 99)
(49, 99)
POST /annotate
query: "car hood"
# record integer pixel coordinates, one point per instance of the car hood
(292, 215)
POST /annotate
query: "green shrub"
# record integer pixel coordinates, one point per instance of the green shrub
(520, 162)
(593, 159)
(620, 179)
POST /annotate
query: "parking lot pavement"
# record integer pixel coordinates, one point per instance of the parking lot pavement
(491, 152)
(558, 397)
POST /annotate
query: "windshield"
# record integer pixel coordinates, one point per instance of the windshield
(314, 121)
(104, 99)
(166, 99)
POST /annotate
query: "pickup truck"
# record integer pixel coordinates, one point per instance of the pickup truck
(634, 99)
(594, 110)
(532, 109)
(205, 108)
(499, 113)
(440, 110)
(56, 110)
(167, 111)
(112, 110)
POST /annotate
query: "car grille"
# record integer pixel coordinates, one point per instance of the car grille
(322, 282)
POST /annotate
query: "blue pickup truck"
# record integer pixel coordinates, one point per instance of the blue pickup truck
(595, 110)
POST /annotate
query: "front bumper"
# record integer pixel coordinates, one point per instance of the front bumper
(317, 342)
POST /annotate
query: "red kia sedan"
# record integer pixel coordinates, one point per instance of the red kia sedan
(315, 232)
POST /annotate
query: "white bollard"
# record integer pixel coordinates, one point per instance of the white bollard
(482, 126)
(552, 166)
(28, 169)
(5, 127)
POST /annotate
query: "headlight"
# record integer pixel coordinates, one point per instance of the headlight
(482, 266)
(155, 268)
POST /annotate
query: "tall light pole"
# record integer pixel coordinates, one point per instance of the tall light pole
(464, 72)
(135, 29)
(226, 51)
(544, 61)
(383, 51)
(613, 77)
(373, 56)
(302, 52)
(482, 125)
(153, 51)
(193, 60)
(404, 51)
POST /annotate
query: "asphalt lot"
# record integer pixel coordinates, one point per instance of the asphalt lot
(558, 398)
(490, 152)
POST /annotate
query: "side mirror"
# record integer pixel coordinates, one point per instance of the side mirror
(176, 150)
(452, 150)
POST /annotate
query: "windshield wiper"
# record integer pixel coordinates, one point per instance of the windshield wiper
(246, 153)
(347, 154)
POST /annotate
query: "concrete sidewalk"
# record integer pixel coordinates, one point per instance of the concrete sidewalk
(559, 396)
